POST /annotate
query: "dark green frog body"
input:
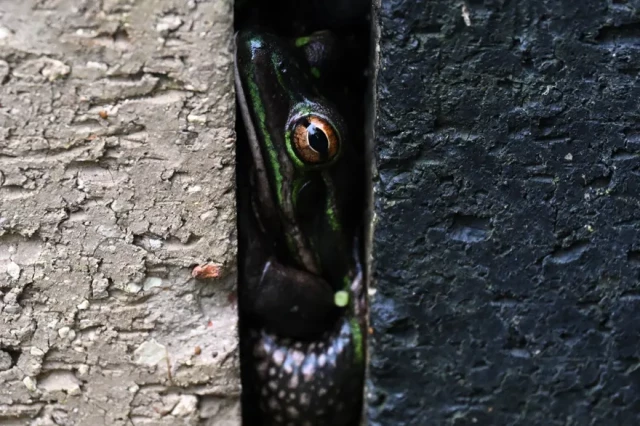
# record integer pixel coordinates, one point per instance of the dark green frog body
(301, 285)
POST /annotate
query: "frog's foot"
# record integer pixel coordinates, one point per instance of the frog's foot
(292, 302)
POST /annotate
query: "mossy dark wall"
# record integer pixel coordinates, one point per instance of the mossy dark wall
(507, 247)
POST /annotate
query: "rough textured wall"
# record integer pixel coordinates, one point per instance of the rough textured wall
(116, 179)
(507, 248)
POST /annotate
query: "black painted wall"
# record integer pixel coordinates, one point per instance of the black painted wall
(507, 248)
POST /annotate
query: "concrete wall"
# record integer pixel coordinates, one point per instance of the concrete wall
(507, 244)
(116, 180)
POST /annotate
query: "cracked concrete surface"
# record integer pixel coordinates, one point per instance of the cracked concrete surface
(116, 181)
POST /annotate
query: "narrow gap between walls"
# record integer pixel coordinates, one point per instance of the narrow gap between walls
(304, 84)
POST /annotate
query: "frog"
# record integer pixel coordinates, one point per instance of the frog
(301, 291)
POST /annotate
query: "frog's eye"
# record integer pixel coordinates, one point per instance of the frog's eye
(315, 140)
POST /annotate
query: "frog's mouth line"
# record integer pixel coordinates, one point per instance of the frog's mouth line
(263, 190)
(262, 180)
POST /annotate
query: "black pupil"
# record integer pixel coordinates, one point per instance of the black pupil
(318, 140)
